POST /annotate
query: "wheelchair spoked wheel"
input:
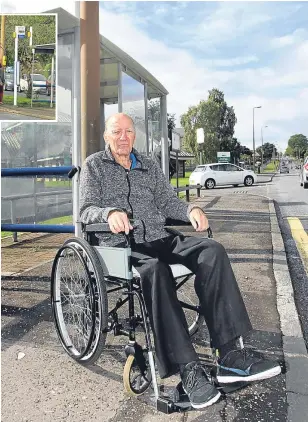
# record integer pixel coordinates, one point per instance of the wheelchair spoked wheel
(188, 298)
(79, 301)
(136, 378)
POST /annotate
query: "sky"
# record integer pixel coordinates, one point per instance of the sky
(255, 52)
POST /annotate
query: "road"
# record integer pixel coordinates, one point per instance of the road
(292, 200)
(291, 205)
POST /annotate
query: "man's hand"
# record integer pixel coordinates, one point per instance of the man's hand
(118, 222)
(198, 219)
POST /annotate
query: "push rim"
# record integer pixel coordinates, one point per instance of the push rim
(75, 301)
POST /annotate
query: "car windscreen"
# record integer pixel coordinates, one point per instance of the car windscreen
(39, 78)
(9, 76)
(199, 169)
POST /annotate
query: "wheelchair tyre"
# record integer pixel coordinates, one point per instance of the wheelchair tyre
(135, 382)
(79, 301)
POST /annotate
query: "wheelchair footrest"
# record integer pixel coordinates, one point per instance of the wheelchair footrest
(178, 400)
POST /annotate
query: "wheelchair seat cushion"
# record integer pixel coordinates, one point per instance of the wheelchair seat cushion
(178, 270)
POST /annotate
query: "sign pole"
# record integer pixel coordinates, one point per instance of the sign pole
(51, 79)
(177, 170)
(15, 66)
(31, 78)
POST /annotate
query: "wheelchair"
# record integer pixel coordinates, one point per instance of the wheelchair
(84, 275)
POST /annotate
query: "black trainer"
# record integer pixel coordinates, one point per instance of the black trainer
(245, 365)
(200, 391)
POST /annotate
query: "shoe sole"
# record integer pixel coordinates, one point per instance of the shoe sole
(206, 404)
(226, 379)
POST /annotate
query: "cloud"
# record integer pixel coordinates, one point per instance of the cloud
(299, 34)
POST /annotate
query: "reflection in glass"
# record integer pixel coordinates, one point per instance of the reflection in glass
(133, 105)
(39, 199)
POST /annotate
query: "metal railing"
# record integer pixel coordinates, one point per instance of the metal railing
(187, 188)
(35, 228)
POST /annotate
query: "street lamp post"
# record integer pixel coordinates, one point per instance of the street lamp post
(262, 144)
(253, 136)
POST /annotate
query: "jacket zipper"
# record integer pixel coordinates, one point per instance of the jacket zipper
(128, 182)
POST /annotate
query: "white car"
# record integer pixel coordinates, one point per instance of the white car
(304, 174)
(39, 83)
(215, 174)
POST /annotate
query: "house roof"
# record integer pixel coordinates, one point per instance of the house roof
(182, 155)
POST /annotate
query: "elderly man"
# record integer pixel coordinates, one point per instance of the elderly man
(119, 184)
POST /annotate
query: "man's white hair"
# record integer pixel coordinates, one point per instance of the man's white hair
(114, 116)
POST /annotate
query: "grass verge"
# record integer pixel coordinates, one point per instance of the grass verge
(24, 102)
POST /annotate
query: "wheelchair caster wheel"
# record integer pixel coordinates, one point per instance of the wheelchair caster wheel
(135, 380)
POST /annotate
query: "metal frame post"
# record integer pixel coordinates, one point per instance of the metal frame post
(164, 136)
(120, 89)
(146, 117)
(102, 115)
(76, 123)
(89, 77)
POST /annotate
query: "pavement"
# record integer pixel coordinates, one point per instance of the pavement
(35, 112)
(41, 383)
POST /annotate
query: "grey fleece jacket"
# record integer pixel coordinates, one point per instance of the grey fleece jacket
(143, 193)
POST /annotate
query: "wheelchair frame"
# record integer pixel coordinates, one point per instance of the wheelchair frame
(130, 286)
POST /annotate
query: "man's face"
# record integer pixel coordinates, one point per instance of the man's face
(120, 135)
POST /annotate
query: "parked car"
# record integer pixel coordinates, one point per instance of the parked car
(39, 83)
(214, 174)
(304, 174)
(48, 85)
(9, 82)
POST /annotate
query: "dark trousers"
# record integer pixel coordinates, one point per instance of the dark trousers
(220, 298)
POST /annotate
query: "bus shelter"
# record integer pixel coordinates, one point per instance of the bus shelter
(125, 86)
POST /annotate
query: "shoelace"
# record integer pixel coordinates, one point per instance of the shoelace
(247, 354)
(192, 379)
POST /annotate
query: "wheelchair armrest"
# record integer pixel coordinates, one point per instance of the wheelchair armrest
(97, 227)
(173, 222)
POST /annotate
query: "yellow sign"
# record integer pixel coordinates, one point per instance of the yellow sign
(4, 61)
(14, 34)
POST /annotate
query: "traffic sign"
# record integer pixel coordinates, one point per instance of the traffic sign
(200, 136)
(20, 31)
(223, 157)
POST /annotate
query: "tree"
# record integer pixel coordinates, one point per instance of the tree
(289, 152)
(171, 124)
(44, 32)
(268, 150)
(217, 120)
(299, 145)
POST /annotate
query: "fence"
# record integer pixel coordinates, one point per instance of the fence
(187, 188)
